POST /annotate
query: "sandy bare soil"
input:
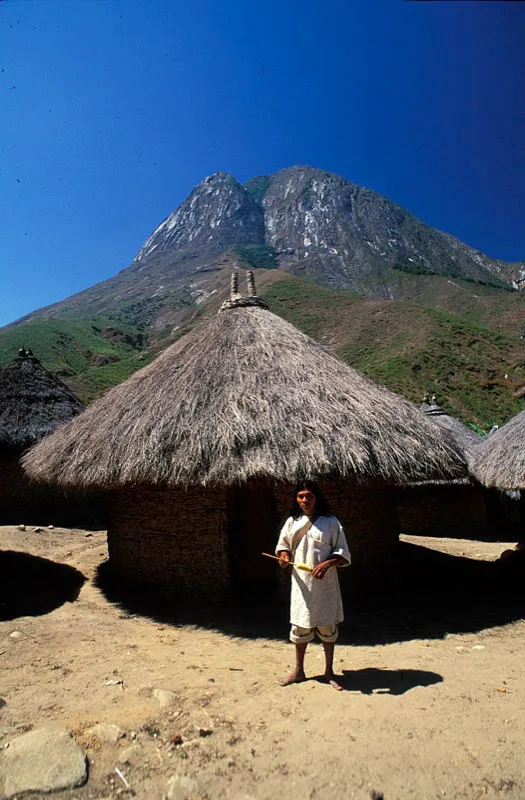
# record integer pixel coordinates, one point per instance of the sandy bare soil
(433, 704)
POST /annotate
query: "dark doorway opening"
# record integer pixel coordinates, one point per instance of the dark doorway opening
(252, 530)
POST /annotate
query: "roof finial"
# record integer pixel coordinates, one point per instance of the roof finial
(25, 352)
(250, 283)
(234, 286)
(431, 408)
(237, 300)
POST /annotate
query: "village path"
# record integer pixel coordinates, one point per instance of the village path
(432, 717)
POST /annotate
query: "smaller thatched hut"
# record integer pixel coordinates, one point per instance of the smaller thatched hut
(200, 450)
(464, 436)
(453, 508)
(499, 462)
(33, 404)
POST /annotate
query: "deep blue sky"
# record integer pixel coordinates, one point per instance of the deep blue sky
(112, 110)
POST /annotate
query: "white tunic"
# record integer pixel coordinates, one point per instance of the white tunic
(315, 601)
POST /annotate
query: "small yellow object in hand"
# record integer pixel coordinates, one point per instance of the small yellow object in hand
(304, 567)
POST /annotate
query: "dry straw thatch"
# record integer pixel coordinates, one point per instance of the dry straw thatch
(245, 396)
(33, 403)
(499, 462)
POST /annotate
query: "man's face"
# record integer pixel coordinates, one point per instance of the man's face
(306, 501)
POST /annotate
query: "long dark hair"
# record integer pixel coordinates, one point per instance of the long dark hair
(322, 508)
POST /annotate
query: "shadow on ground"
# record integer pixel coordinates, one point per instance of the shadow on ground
(423, 594)
(31, 586)
(427, 594)
(385, 681)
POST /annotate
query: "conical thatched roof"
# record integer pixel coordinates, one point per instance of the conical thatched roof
(464, 436)
(499, 461)
(33, 403)
(246, 395)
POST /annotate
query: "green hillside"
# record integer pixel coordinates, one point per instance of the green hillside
(82, 352)
(477, 369)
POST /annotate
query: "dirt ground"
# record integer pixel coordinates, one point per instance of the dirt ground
(434, 684)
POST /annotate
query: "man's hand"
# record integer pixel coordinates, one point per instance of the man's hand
(284, 558)
(321, 569)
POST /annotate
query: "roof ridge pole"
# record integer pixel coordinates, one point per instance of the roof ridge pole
(250, 283)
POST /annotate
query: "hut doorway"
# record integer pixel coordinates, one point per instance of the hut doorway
(252, 529)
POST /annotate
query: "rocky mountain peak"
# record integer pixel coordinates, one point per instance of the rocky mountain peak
(303, 213)
(217, 214)
(312, 223)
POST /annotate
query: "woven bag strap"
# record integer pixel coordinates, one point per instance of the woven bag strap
(299, 536)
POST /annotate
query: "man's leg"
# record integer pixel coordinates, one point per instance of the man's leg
(329, 666)
(328, 636)
(297, 675)
(300, 637)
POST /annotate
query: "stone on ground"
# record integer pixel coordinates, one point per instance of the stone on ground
(181, 787)
(164, 697)
(44, 760)
(107, 733)
(131, 755)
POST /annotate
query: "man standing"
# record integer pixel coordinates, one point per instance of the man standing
(313, 537)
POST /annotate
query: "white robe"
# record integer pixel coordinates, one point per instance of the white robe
(315, 601)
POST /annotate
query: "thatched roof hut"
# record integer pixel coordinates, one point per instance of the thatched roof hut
(245, 396)
(464, 436)
(236, 411)
(33, 402)
(499, 462)
(453, 508)
(459, 508)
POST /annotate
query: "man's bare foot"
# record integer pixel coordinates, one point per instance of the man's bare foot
(297, 676)
(331, 679)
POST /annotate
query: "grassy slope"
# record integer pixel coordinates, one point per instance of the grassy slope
(69, 348)
(412, 348)
(65, 345)
(498, 309)
(453, 337)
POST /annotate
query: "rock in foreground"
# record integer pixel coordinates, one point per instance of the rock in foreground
(44, 760)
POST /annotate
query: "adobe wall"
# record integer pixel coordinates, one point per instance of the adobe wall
(175, 538)
(454, 510)
(28, 502)
(181, 540)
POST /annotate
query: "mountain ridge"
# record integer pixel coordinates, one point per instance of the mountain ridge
(309, 222)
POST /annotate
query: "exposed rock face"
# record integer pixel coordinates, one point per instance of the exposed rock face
(328, 229)
(218, 213)
(306, 221)
(517, 274)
